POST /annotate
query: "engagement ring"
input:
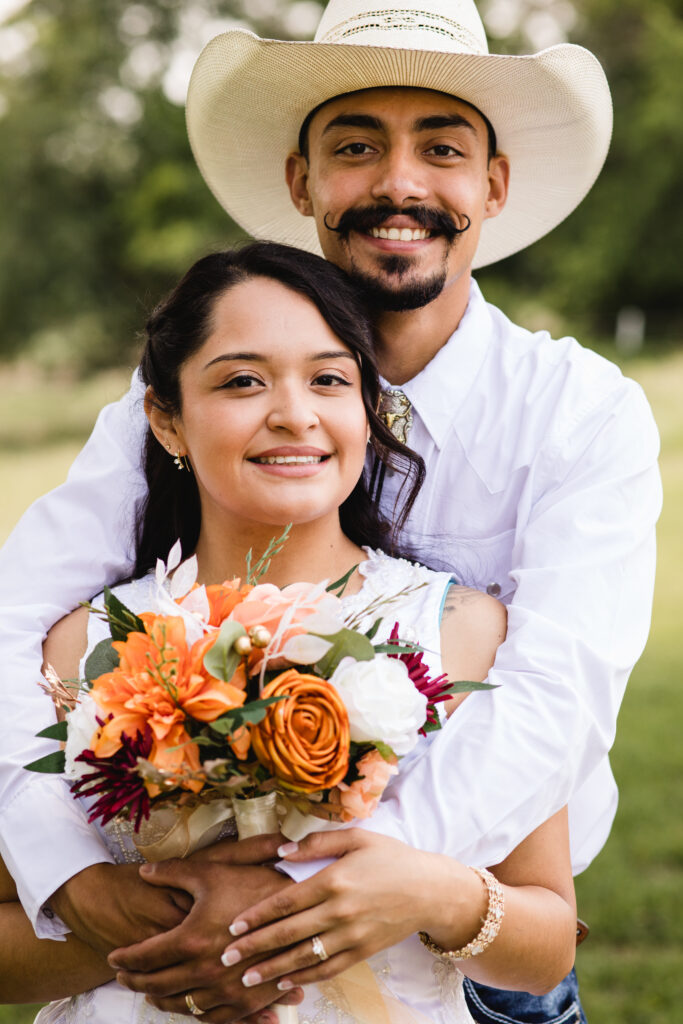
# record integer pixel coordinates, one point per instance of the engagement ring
(318, 948)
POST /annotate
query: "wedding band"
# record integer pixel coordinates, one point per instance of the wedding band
(192, 1006)
(319, 949)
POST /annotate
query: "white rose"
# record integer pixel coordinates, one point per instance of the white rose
(82, 725)
(382, 701)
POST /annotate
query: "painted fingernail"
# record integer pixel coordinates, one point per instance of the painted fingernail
(238, 928)
(266, 1018)
(231, 957)
(251, 978)
(285, 985)
(286, 849)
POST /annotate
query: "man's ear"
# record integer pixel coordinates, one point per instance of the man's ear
(499, 179)
(162, 424)
(296, 176)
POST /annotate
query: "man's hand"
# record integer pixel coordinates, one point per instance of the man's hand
(110, 905)
(222, 881)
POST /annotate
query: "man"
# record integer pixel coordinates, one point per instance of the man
(419, 156)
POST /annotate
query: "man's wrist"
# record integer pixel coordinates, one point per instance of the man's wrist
(65, 901)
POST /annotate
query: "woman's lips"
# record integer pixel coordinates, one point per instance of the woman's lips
(291, 462)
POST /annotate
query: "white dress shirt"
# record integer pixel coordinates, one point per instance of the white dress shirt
(542, 486)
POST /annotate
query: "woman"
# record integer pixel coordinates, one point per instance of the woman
(261, 379)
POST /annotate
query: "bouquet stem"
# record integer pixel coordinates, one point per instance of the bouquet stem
(257, 816)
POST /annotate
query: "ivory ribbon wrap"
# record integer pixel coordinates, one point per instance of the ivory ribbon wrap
(358, 992)
(179, 831)
(296, 826)
(258, 816)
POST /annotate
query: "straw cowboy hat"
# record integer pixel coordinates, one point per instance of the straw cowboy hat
(248, 97)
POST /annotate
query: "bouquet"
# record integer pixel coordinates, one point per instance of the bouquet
(240, 698)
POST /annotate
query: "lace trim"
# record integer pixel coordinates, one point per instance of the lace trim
(406, 20)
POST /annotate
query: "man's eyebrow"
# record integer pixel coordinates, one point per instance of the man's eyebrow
(353, 121)
(436, 121)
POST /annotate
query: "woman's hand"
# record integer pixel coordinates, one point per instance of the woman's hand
(371, 898)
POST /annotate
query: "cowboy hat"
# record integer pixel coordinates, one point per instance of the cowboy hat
(247, 99)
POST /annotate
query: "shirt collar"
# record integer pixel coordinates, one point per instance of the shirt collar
(438, 391)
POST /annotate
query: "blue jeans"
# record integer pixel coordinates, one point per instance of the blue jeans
(494, 1006)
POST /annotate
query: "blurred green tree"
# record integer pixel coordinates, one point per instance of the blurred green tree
(623, 245)
(102, 204)
(103, 207)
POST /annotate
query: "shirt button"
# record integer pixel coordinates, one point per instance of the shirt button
(493, 589)
(48, 913)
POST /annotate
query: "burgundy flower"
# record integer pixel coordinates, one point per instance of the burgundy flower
(116, 779)
(435, 690)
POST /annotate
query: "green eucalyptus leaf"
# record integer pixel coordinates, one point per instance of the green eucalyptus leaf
(384, 749)
(345, 644)
(50, 764)
(57, 731)
(341, 583)
(373, 629)
(468, 686)
(253, 712)
(222, 659)
(122, 620)
(103, 658)
(398, 648)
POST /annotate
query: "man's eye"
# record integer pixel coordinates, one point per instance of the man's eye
(443, 150)
(356, 149)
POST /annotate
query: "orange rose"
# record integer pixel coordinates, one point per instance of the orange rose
(303, 740)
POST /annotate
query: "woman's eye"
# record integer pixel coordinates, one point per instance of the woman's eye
(244, 380)
(331, 380)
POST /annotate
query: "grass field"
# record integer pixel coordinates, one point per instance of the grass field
(631, 968)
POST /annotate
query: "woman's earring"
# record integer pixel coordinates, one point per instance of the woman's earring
(182, 461)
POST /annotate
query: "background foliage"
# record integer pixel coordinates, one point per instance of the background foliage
(102, 206)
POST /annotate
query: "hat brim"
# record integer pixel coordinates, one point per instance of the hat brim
(248, 97)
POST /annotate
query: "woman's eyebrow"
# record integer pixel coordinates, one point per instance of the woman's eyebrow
(337, 354)
(257, 357)
(247, 357)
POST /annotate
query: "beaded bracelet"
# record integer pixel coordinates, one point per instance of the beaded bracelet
(489, 929)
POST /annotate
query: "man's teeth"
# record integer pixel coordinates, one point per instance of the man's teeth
(287, 460)
(400, 234)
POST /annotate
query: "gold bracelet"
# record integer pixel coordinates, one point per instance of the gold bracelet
(489, 929)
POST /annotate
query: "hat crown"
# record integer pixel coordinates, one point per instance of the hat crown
(446, 25)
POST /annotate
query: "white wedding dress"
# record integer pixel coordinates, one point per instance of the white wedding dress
(407, 973)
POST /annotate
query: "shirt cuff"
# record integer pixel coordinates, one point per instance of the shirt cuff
(46, 839)
(299, 871)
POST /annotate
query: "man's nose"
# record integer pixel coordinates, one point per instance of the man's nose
(400, 177)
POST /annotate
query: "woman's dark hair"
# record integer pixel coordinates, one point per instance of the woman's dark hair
(179, 326)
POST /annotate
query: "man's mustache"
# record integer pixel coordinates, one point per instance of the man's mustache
(364, 218)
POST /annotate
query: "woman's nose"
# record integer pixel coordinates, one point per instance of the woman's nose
(292, 411)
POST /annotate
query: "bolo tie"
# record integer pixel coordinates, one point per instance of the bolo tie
(395, 411)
